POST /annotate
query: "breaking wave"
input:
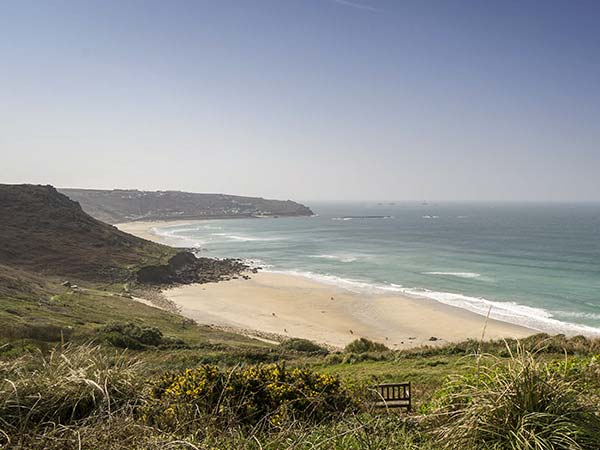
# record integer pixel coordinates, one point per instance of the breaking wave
(455, 274)
(535, 318)
(245, 238)
(340, 258)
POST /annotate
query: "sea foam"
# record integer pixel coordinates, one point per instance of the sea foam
(535, 318)
(349, 284)
(341, 258)
(245, 238)
(174, 235)
(511, 312)
(455, 274)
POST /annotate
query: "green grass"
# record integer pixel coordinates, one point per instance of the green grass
(83, 396)
(80, 317)
(425, 374)
(522, 403)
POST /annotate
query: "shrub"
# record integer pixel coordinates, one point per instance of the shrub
(134, 337)
(303, 346)
(257, 395)
(333, 359)
(580, 345)
(522, 404)
(540, 343)
(353, 358)
(364, 345)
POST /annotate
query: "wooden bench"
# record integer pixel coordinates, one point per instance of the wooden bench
(393, 395)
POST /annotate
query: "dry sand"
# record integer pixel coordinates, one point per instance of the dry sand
(295, 306)
(299, 307)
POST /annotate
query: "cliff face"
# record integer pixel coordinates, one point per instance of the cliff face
(118, 206)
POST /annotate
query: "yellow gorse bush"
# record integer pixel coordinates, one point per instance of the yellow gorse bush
(263, 394)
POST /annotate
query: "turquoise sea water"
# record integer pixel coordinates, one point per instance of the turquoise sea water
(535, 264)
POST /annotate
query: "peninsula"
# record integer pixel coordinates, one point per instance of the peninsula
(127, 205)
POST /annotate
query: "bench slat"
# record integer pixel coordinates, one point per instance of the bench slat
(393, 395)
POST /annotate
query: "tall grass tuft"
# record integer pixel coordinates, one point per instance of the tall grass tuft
(524, 404)
(68, 384)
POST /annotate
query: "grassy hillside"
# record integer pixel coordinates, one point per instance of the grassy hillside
(46, 238)
(122, 205)
(46, 233)
(467, 397)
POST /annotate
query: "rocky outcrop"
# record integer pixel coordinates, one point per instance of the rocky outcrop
(185, 268)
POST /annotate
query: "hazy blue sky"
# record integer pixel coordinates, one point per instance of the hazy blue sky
(304, 99)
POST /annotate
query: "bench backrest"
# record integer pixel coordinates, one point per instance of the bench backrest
(394, 395)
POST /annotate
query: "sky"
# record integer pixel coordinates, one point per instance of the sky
(450, 100)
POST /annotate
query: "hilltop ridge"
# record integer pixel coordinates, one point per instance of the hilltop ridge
(126, 205)
(45, 232)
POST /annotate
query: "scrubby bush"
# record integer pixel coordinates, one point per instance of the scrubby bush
(540, 343)
(364, 345)
(264, 395)
(333, 359)
(132, 336)
(303, 346)
(575, 345)
(354, 358)
(522, 404)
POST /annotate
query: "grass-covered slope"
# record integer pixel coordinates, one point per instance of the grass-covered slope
(44, 232)
(505, 396)
(124, 205)
(46, 238)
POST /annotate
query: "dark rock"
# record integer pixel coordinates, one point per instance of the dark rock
(182, 260)
(185, 268)
(155, 275)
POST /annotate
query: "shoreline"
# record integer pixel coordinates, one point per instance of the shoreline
(295, 306)
(145, 229)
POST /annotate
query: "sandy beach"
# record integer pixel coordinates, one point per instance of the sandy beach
(296, 306)
(299, 307)
(145, 229)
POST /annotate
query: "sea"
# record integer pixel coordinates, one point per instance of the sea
(530, 264)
